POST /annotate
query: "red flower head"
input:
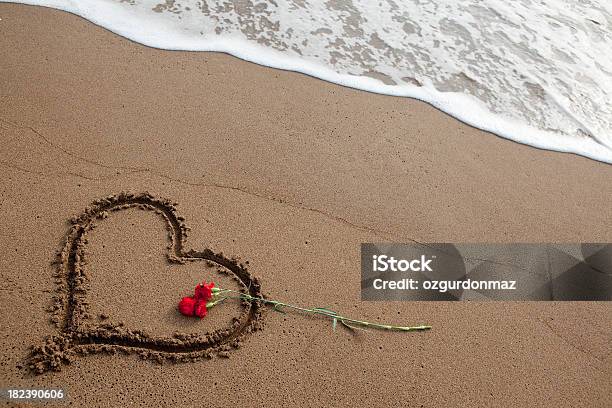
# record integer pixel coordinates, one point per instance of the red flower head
(187, 306)
(200, 309)
(196, 305)
(203, 292)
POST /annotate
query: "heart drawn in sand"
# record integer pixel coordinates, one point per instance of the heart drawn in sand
(70, 308)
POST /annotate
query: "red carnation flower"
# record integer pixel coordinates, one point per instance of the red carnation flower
(203, 292)
(187, 306)
(196, 305)
(200, 309)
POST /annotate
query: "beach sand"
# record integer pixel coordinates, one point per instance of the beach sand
(290, 174)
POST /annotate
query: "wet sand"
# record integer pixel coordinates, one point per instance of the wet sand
(289, 174)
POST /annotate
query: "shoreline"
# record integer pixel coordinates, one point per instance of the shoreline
(460, 106)
(291, 174)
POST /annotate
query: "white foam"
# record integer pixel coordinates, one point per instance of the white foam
(538, 74)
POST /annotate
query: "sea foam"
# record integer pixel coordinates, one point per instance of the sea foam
(539, 73)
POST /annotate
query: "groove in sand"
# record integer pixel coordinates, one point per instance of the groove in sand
(69, 308)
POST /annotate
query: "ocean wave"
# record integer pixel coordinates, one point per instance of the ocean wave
(539, 73)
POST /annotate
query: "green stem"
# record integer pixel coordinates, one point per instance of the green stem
(319, 311)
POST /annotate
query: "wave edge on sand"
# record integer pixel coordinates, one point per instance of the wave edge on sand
(162, 33)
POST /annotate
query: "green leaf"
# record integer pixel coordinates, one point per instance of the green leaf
(334, 324)
(322, 309)
(351, 327)
(278, 308)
